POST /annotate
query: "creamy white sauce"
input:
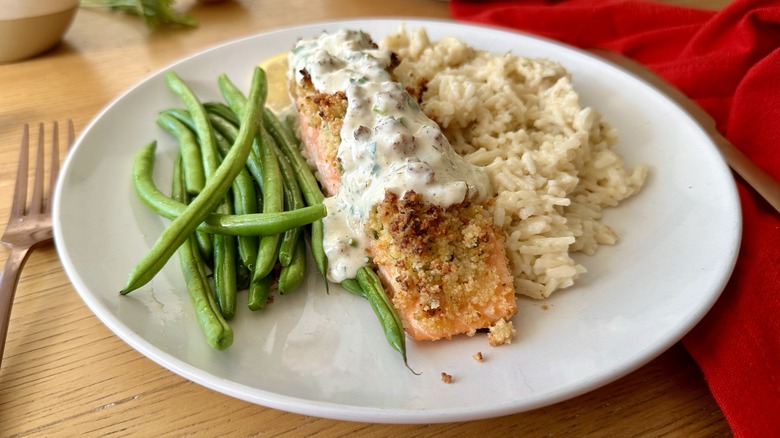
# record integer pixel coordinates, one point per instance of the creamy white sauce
(387, 144)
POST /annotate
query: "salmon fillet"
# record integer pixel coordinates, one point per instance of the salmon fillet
(320, 117)
(445, 269)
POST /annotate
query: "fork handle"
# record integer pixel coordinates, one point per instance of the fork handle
(8, 282)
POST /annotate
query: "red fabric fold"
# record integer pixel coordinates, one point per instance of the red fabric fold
(728, 62)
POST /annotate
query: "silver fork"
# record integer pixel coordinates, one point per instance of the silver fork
(29, 225)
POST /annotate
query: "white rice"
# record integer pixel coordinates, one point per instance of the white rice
(549, 159)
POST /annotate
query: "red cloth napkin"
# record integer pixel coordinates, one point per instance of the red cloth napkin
(729, 63)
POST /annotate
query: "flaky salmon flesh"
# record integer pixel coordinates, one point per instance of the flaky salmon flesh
(445, 269)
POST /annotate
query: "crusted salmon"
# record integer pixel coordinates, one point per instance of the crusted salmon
(441, 259)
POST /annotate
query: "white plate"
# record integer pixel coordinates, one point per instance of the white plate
(325, 355)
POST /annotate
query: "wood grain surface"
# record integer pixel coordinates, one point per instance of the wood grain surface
(66, 374)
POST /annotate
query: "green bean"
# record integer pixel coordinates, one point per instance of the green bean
(259, 291)
(203, 131)
(181, 115)
(244, 202)
(289, 238)
(230, 130)
(235, 225)
(218, 333)
(289, 145)
(293, 200)
(383, 308)
(205, 242)
(243, 275)
(262, 224)
(236, 101)
(260, 200)
(223, 111)
(251, 251)
(227, 266)
(233, 96)
(247, 245)
(194, 178)
(352, 285)
(289, 125)
(273, 201)
(318, 251)
(291, 276)
(224, 246)
(192, 169)
(225, 277)
(223, 125)
(220, 124)
(213, 192)
(306, 180)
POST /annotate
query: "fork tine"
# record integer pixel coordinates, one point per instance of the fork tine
(20, 190)
(71, 133)
(55, 166)
(36, 203)
(55, 162)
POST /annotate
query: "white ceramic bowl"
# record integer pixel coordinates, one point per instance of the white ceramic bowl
(30, 27)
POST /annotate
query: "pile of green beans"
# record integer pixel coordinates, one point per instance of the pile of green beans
(242, 200)
(237, 212)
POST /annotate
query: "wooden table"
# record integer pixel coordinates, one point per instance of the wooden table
(66, 374)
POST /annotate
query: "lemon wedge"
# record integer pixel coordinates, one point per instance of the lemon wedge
(276, 72)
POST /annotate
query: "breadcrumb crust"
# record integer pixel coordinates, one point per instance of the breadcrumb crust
(446, 268)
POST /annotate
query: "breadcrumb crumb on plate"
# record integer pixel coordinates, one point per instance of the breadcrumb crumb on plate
(501, 333)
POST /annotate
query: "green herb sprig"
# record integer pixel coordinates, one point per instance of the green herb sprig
(155, 13)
